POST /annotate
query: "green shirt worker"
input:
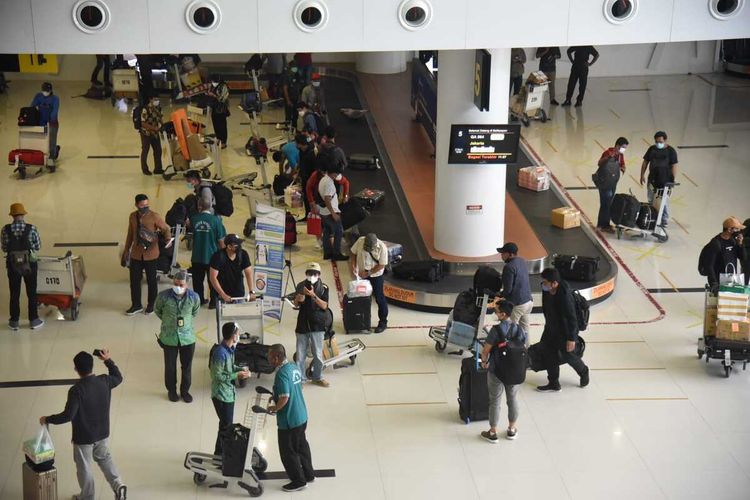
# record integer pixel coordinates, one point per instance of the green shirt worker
(223, 373)
(177, 309)
(208, 238)
(291, 418)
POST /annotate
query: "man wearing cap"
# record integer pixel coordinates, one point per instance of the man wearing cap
(368, 259)
(725, 249)
(230, 270)
(311, 93)
(177, 308)
(20, 243)
(516, 287)
(48, 105)
(312, 299)
(331, 214)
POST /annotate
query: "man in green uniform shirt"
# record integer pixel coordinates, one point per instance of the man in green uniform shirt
(208, 237)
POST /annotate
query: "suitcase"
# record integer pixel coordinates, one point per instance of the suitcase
(370, 198)
(536, 358)
(361, 161)
(280, 183)
(26, 157)
(39, 485)
(647, 217)
(576, 267)
(487, 280)
(395, 254)
(254, 355)
(290, 230)
(352, 213)
(624, 210)
(473, 399)
(28, 117)
(234, 444)
(427, 271)
(357, 314)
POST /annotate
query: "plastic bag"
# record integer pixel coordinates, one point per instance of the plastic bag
(359, 288)
(40, 448)
(731, 277)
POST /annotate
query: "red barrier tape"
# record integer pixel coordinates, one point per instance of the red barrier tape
(337, 282)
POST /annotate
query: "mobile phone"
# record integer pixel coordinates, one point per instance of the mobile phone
(97, 352)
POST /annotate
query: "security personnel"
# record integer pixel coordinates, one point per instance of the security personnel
(579, 73)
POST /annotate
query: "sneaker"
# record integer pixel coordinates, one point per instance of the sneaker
(511, 434)
(566, 103)
(13, 325)
(149, 310)
(489, 436)
(381, 328)
(173, 397)
(318, 244)
(121, 493)
(248, 152)
(133, 311)
(223, 146)
(186, 397)
(289, 487)
(549, 388)
(37, 324)
(322, 382)
(585, 379)
(340, 257)
(554, 102)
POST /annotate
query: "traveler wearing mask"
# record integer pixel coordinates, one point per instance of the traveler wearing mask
(201, 188)
(311, 94)
(208, 238)
(548, 57)
(219, 102)
(368, 259)
(48, 105)
(230, 270)
(290, 155)
(291, 85)
(579, 73)
(661, 162)
(611, 165)
(223, 373)
(331, 214)
(141, 252)
(151, 122)
(516, 288)
(724, 249)
(560, 331)
(177, 309)
(329, 152)
(312, 299)
(309, 119)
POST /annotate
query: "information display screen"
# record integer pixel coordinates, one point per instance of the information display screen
(484, 143)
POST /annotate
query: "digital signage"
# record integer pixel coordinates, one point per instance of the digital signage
(484, 143)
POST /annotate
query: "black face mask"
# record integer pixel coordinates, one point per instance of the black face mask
(143, 210)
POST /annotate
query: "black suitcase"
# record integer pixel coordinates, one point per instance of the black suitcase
(624, 210)
(427, 271)
(352, 213)
(370, 198)
(487, 280)
(357, 314)
(473, 399)
(28, 117)
(361, 161)
(647, 217)
(280, 183)
(234, 444)
(536, 358)
(576, 267)
(254, 355)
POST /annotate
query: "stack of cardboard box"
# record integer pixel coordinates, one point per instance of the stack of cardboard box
(731, 315)
(534, 178)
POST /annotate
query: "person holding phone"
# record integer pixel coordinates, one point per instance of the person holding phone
(312, 299)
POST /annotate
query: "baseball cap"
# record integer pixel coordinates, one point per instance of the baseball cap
(371, 240)
(732, 223)
(315, 77)
(17, 209)
(313, 267)
(508, 248)
(232, 239)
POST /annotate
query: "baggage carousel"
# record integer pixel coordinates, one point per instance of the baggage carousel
(527, 214)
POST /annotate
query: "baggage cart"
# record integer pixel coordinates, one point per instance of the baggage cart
(728, 351)
(440, 334)
(59, 283)
(35, 138)
(659, 232)
(348, 350)
(248, 314)
(124, 85)
(208, 468)
(528, 104)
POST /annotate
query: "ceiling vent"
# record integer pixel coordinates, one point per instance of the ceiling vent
(203, 16)
(414, 14)
(310, 15)
(91, 16)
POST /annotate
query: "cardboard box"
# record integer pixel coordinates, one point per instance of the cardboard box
(537, 77)
(709, 324)
(732, 306)
(733, 330)
(534, 178)
(566, 217)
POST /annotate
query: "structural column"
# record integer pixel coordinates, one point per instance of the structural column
(462, 228)
(382, 63)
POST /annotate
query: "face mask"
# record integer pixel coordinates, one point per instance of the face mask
(45, 94)
(179, 290)
(338, 177)
(622, 151)
(189, 185)
(313, 279)
(546, 288)
(301, 114)
(143, 210)
(294, 70)
(214, 84)
(156, 102)
(316, 84)
(660, 145)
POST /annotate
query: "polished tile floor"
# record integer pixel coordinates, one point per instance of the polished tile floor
(654, 423)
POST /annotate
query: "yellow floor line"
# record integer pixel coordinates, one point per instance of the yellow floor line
(646, 399)
(599, 144)
(634, 179)
(581, 181)
(689, 179)
(647, 143)
(625, 369)
(668, 281)
(681, 226)
(396, 373)
(409, 404)
(614, 113)
(158, 190)
(552, 147)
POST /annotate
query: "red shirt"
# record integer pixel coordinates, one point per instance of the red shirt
(303, 58)
(609, 152)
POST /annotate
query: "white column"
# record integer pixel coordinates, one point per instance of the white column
(382, 63)
(473, 234)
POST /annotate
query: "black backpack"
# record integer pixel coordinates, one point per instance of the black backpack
(19, 250)
(223, 199)
(704, 266)
(510, 359)
(582, 311)
(177, 214)
(137, 112)
(606, 177)
(487, 280)
(465, 308)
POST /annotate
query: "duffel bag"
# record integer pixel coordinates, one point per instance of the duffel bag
(254, 355)
(428, 271)
(576, 267)
(624, 210)
(487, 280)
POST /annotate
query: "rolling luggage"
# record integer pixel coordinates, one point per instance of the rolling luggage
(97, 92)
(357, 314)
(290, 230)
(26, 157)
(427, 271)
(647, 217)
(624, 210)
(28, 117)
(254, 355)
(473, 399)
(352, 213)
(234, 443)
(362, 161)
(370, 198)
(39, 485)
(576, 267)
(395, 254)
(536, 358)
(487, 280)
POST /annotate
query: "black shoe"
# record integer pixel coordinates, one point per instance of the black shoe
(326, 256)
(310, 479)
(149, 310)
(554, 102)
(294, 486)
(146, 172)
(585, 379)
(122, 492)
(566, 103)
(203, 302)
(159, 172)
(212, 305)
(579, 104)
(133, 311)
(186, 397)
(173, 397)
(340, 257)
(380, 328)
(549, 388)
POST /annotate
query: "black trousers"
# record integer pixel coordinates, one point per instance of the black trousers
(152, 142)
(186, 353)
(580, 75)
(295, 454)
(137, 267)
(15, 280)
(102, 61)
(225, 412)
(200, 273)
(219, 121)
(551, 354)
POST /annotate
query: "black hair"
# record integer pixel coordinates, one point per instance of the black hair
(84, 363)
(278, 348)
(551, 274)
(46, 87)
(276, 156)
(621, 141)
(330, 132)
(661, 134)
(192, 174)
(334, 168)
(140, 197)
(506, 307)
(228, 329)
(300, 139)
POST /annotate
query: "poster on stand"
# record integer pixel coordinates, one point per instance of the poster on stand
(268, 262)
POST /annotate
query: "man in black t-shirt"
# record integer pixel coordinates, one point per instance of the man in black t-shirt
(312, 298)
(579, 73)
(230, 270)
(724, 249)
(661, 161)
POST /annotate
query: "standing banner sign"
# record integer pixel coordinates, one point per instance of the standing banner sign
(269, 258)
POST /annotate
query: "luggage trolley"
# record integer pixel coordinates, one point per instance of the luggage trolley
(35, 139)
(59, 283)
(728, 351)
(209, 468)
(528, 104)
(247, 314)
(653, 226)
(460, 334)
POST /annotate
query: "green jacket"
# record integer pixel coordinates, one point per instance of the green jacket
(169, 308)
(223, 373)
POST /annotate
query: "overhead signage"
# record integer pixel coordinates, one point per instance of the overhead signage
(484, 143)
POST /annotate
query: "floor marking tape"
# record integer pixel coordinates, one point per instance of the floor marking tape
(689, 179)
(409, 404)
(646, 399)
(669, 281)
(393, 374)
(552, 147)
(614, 113)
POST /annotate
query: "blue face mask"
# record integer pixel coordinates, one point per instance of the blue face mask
(660, 145)
(190, 186)
(546, 288)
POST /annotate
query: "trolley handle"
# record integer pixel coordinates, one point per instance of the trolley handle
(241, 300)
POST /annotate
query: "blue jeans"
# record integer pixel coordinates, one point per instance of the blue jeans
(605, 202)
(651, 194)
(335, 229)
(379, 294)
(303, 339)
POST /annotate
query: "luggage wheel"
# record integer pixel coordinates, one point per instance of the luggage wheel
(199, 478)
(253, 491)
(353, 359)
(440, 346)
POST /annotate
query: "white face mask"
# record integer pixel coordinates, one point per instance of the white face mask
(179, 290)
(313, 279)
(316, 84)
(214, 84)
(338, 177)
(622, 151)
(302, 113)
(45, 94)
(156, 102)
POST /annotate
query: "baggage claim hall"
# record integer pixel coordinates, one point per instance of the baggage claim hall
(393, 249)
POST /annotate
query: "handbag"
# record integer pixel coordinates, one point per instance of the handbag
(731, 278)
(314, 224)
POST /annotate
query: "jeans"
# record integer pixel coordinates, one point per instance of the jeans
(83, 455)
(294, 451)
(335, 229)
(200, 273)
(551, 354)
(495, 388)
(136, 272)
(580, 75)
(186, 353)
(150, 142)
(651, 194)
(52, 132)
(225, 412)
(520, 316)
(303, 339)
(15, 280)
(102, 60)
(219, 121)
(605, 203)
(379, 294)
(516, 82)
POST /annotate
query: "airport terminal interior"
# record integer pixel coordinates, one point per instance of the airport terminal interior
(665, 414)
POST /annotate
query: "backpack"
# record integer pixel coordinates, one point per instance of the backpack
(137, 112)
(582, 311)
(606, 177)
(223, 199)
(510, 359)
(290, 230)
(177, 214)
(465, 308)
(704, 266)
(19, 251)
(487, 280)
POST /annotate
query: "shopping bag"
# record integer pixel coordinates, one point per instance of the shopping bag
(314, 224)
(40, 449)
(732, 306)
(359, 288)
(730, 277)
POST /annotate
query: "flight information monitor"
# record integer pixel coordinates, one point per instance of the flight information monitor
(484, 143)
